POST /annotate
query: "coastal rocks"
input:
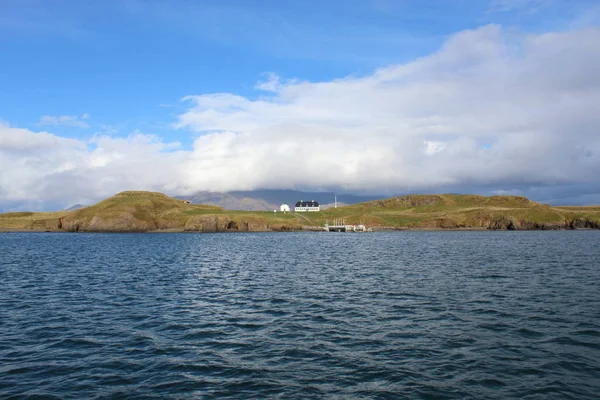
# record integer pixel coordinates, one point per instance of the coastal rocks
(127, 222)
(446, 223)
(540, 226)
(205, 223)
(47, 225)
(123, 222)
(504, 222)
(440, 223)
(582, 223)
(509, 223)
(214, 223)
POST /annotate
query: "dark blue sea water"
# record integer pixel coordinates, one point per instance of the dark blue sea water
(424, 315)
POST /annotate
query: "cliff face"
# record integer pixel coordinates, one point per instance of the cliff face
(213, 223)
(512, 224)
(128, 223)
(123, 222)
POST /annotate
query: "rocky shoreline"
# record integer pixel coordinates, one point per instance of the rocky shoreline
(579, 226)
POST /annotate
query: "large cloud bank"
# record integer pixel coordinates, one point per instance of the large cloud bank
(492, 110)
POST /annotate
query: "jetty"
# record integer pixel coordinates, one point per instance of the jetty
(340, 225)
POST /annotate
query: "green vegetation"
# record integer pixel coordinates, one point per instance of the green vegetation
(451, 211)
(149, 211)
(135, 211)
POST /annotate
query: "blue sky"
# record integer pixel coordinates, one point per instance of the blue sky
(82, 69)
(128, 63)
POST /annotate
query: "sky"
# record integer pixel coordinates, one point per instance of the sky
(362, 96)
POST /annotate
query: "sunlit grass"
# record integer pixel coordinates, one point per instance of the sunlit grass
(150, 209)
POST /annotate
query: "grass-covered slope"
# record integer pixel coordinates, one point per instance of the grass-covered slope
(30, 221)
(450, 211)
(135, 211)
(149, 211)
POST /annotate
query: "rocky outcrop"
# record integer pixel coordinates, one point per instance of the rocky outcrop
(582, 223)
(207, 223)
(440, 223)
(127, 222)
(504, 222)
(509, 223)
(124, 222)
(541, 226)
(214, 223)
(48, 225)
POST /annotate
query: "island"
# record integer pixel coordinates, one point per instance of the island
(139, 211)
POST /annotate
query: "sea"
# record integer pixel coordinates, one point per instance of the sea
(307, 315)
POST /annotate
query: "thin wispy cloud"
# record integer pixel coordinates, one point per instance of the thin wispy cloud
(64, 120)
(525, 6)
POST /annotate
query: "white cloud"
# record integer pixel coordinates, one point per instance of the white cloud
(490, 107)
(42, 166)
(66, 120)
(271, 84)
(15, 141)
(492, 110)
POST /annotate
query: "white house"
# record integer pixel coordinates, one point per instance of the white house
(284, 208)
(303, 206)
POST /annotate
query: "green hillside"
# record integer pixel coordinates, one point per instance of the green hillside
(135, 211)
(451, 211)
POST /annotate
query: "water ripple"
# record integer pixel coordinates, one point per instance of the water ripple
(440, 315)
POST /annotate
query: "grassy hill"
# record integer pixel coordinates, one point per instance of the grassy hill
(148, 211)
(449, 211)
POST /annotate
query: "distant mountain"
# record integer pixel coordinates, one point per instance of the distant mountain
(75, 207)
(267, 200)
(332, 205)
(229, 201)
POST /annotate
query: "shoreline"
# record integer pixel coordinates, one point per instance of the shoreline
(375, 230)
(153, 212)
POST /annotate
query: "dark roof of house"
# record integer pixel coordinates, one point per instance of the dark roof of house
(307, 204)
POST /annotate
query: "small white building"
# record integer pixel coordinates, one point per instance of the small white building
(284, 208)
(303, 206)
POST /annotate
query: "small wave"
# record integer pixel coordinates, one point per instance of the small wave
(587, 332)
(494, 383)
(204, 334)
(568, 341)
(383, 316)
(529, 333)
(77, 343)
